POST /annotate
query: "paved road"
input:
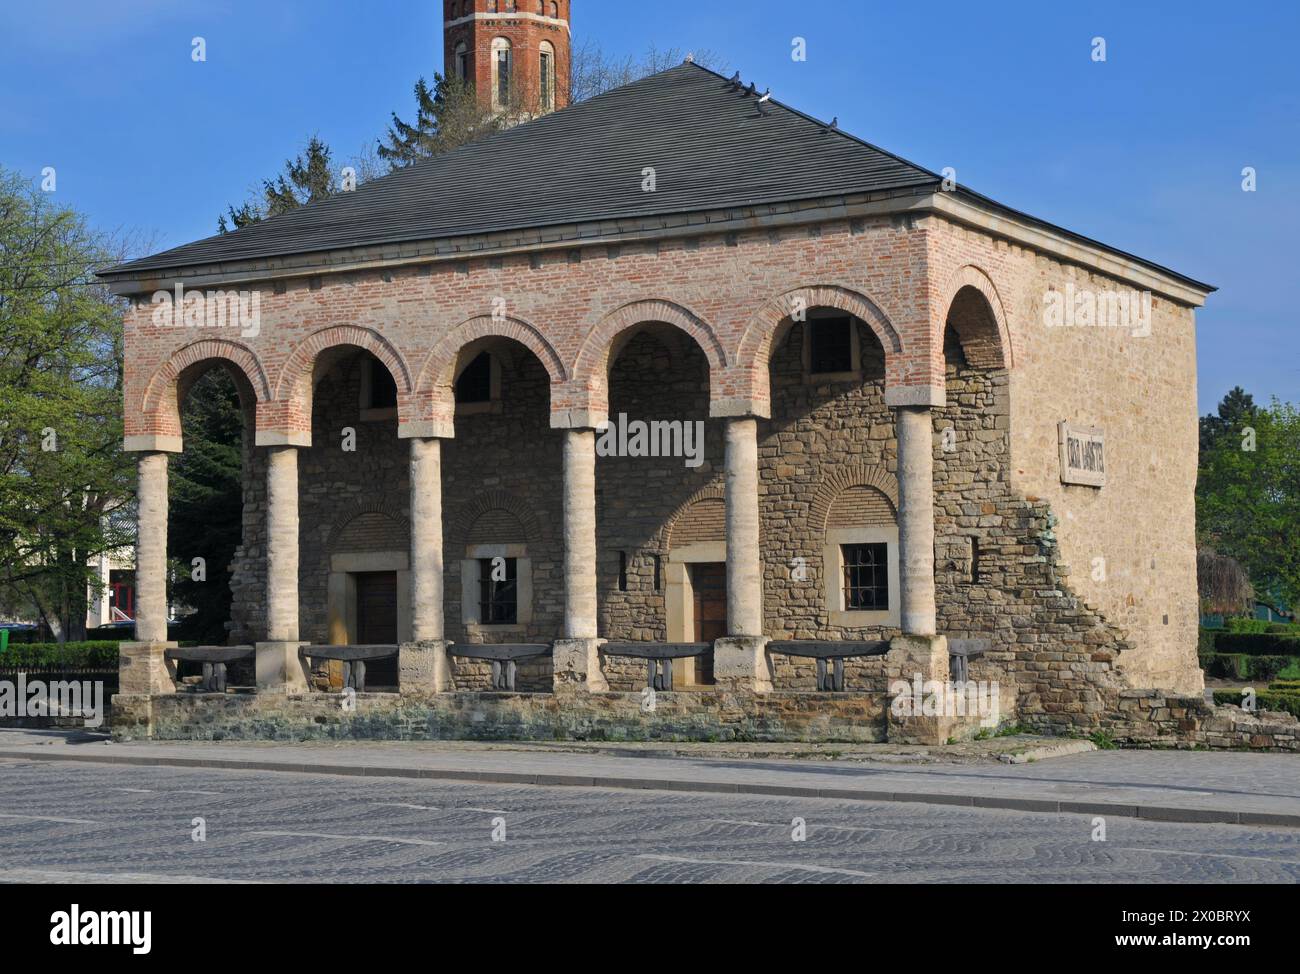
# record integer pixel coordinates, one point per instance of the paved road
(77, 822)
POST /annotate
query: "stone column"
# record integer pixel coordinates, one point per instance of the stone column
(278, 665)
(151, 550)
(423, 662)
(143, 670)
(916, 520)
(576, 657)
(918, 657)
(579, 534)
(740, 660)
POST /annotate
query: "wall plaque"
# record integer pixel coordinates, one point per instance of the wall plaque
(1083, 455)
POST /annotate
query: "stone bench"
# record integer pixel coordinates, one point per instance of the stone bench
(830, 656)
(659, 658)
(504, 657)
(960, 652)
(353, 658)
(214, 660)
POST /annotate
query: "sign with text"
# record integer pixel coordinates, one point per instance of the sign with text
(1083, 455)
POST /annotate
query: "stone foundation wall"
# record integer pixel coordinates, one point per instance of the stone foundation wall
(1153, 718)
(686, 716)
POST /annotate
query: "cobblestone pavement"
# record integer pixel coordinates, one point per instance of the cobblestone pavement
(66, 822)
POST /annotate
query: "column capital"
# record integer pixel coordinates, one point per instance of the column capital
(295, 438)
(152, 443)
(927, 395)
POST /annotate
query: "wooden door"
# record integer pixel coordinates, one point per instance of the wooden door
(377, 623)
(709, 587)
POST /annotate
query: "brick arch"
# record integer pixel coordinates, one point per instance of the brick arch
(987, 344)
(847, 479)
(303, 357)
(440, 363)
(494, 500)
(390, 509)
(713, 492)
(591, 365)
(435, 405)
(592, 362)
(290, 414)
(756, 343)
(161, 405)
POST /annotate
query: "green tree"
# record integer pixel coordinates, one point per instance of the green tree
(205, 508)
(1248, 492)
(306, 178)
(447, 116)
(62, 471)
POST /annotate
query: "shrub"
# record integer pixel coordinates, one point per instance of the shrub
(92, 655)
(1264, 700)
(1258, 644)
(1238, 624)
(1241, 666)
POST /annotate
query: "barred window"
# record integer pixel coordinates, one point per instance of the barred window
(498, 600)
(866, 576)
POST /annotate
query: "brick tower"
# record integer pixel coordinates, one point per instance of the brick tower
(514, 52)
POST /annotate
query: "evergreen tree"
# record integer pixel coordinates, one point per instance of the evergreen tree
(306, 178)
(205, 511)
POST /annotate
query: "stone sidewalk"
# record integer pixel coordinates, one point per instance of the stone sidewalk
(1173, 786)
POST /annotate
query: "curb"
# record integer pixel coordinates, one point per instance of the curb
(1152, 813)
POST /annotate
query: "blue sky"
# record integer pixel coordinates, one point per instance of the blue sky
(1143, 152)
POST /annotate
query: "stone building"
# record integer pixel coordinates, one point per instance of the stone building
(923, 417)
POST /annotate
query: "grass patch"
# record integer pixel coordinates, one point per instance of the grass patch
(1102, 741)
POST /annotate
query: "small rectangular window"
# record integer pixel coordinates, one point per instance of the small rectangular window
(866, 577)
(498, 591)
(659, 584)
(831, 345)
(383, 390)
(622, 571)
(974, 560)
(475, 383)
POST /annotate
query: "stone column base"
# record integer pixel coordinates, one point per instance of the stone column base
(741, 663)
(424, 668)
(577, 666)
(141, 669)
(912, 662)
(280, 669)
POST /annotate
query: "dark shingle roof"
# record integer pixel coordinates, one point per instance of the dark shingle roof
(706, 140)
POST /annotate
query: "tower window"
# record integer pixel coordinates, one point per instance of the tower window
(502, 65)
(831, 344)
(622, 571)
(462, 62)
(546, 76)
(555, 9)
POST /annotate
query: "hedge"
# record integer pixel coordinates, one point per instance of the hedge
(1205, 640)
(1257, 643)
(1264, 700)
(1242, 666)
(94, 655)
